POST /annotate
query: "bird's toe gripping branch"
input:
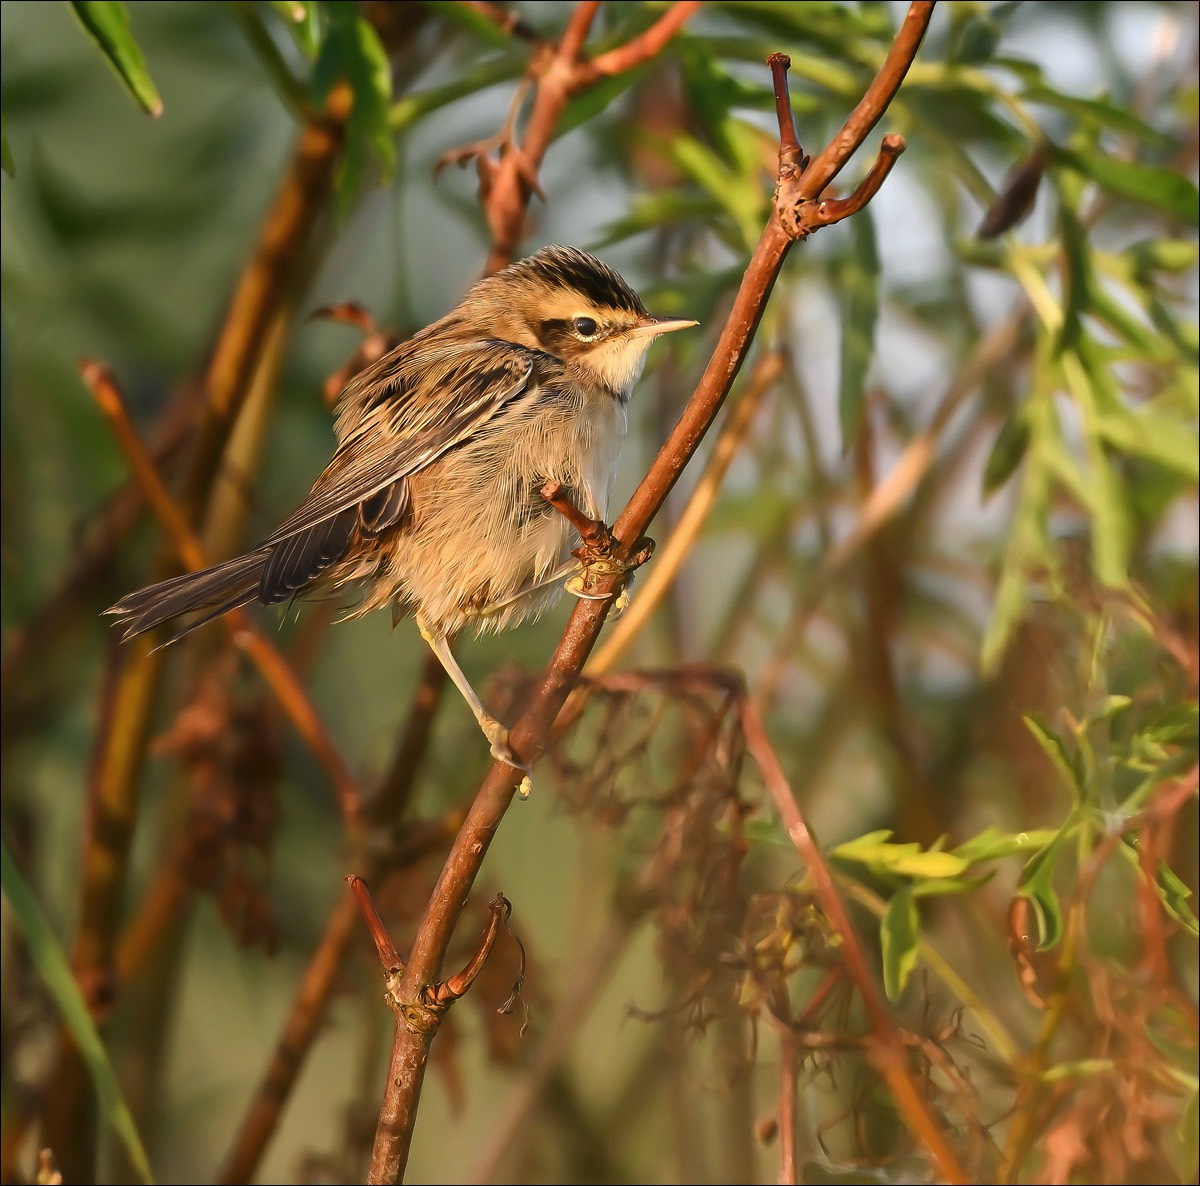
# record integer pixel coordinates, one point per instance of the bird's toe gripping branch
(602, 567)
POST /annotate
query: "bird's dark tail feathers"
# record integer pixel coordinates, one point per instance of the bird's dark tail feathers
(218, 589)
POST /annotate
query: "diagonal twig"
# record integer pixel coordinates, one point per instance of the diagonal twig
(787, 224)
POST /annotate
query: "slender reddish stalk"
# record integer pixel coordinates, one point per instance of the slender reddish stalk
(274, 668)
(888, 1052)
(559, 73)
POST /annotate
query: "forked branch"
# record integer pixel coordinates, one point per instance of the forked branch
(795, 215)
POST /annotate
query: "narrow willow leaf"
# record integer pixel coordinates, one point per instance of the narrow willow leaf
(52, 965)
(596, 98)
(1037, 884)
(899, 933)
(904, 860)
(409, 108)
(1151, 185)
(975, 39)
(1097, 111)
(352, 51)
(107, 23)
(1056, 751)
(991, 844)
(303, 18)
(1174, 893)
(1106, 495)
(1167, 255)
(1007, 451)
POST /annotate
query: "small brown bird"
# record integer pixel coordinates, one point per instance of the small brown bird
(431, 504)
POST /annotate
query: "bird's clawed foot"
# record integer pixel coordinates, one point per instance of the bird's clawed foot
(497, 736)
(599, 562)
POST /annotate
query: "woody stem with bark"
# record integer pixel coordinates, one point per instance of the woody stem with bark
(794, 216)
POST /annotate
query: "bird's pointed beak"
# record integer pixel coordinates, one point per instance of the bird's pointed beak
(651, 327)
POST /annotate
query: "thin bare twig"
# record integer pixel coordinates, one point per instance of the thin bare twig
(389, 957)
(558, 74)
(789, 1070)
(888, 1052)
(245, 633)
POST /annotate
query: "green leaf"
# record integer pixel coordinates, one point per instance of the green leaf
(1174, 894)
(1152, 185)
(303, 18)
(1007, 451)
(409, 108)
(1056, 751)
(665, 207)
(52, 965)
(1166, 255)
(107, 23)
(1100, 112)
(858, 290)
(711, 93)
(899, 933)
(1104, 489)
(902, 860)
(1037, 884)
(991, 844)
(352, 51)
(975, 39)
(6, 160)
(738, 189)
(1027, 548)
(596, 98)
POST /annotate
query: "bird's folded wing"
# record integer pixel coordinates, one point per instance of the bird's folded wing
(429, 403)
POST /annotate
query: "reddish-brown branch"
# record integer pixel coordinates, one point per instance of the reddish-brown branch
(888, 1052)
(835, 209)
(638, 49)
(591, 531)
(133, 671)
(410, 1050)
(499, 909)
(558, 73)
(791, 155)
(275, 669)
(263, 285)
(389, 957)
(789, 1069)
(306, 1016)
(827, 164)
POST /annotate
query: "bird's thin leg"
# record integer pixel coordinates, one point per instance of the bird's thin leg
(545, 582)
(493, 730)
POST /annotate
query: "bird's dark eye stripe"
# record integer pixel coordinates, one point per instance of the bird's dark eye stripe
(555, 327)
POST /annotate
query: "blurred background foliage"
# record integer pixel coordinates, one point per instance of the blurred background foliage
(953, 558)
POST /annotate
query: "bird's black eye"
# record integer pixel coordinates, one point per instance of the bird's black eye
(585, 327)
